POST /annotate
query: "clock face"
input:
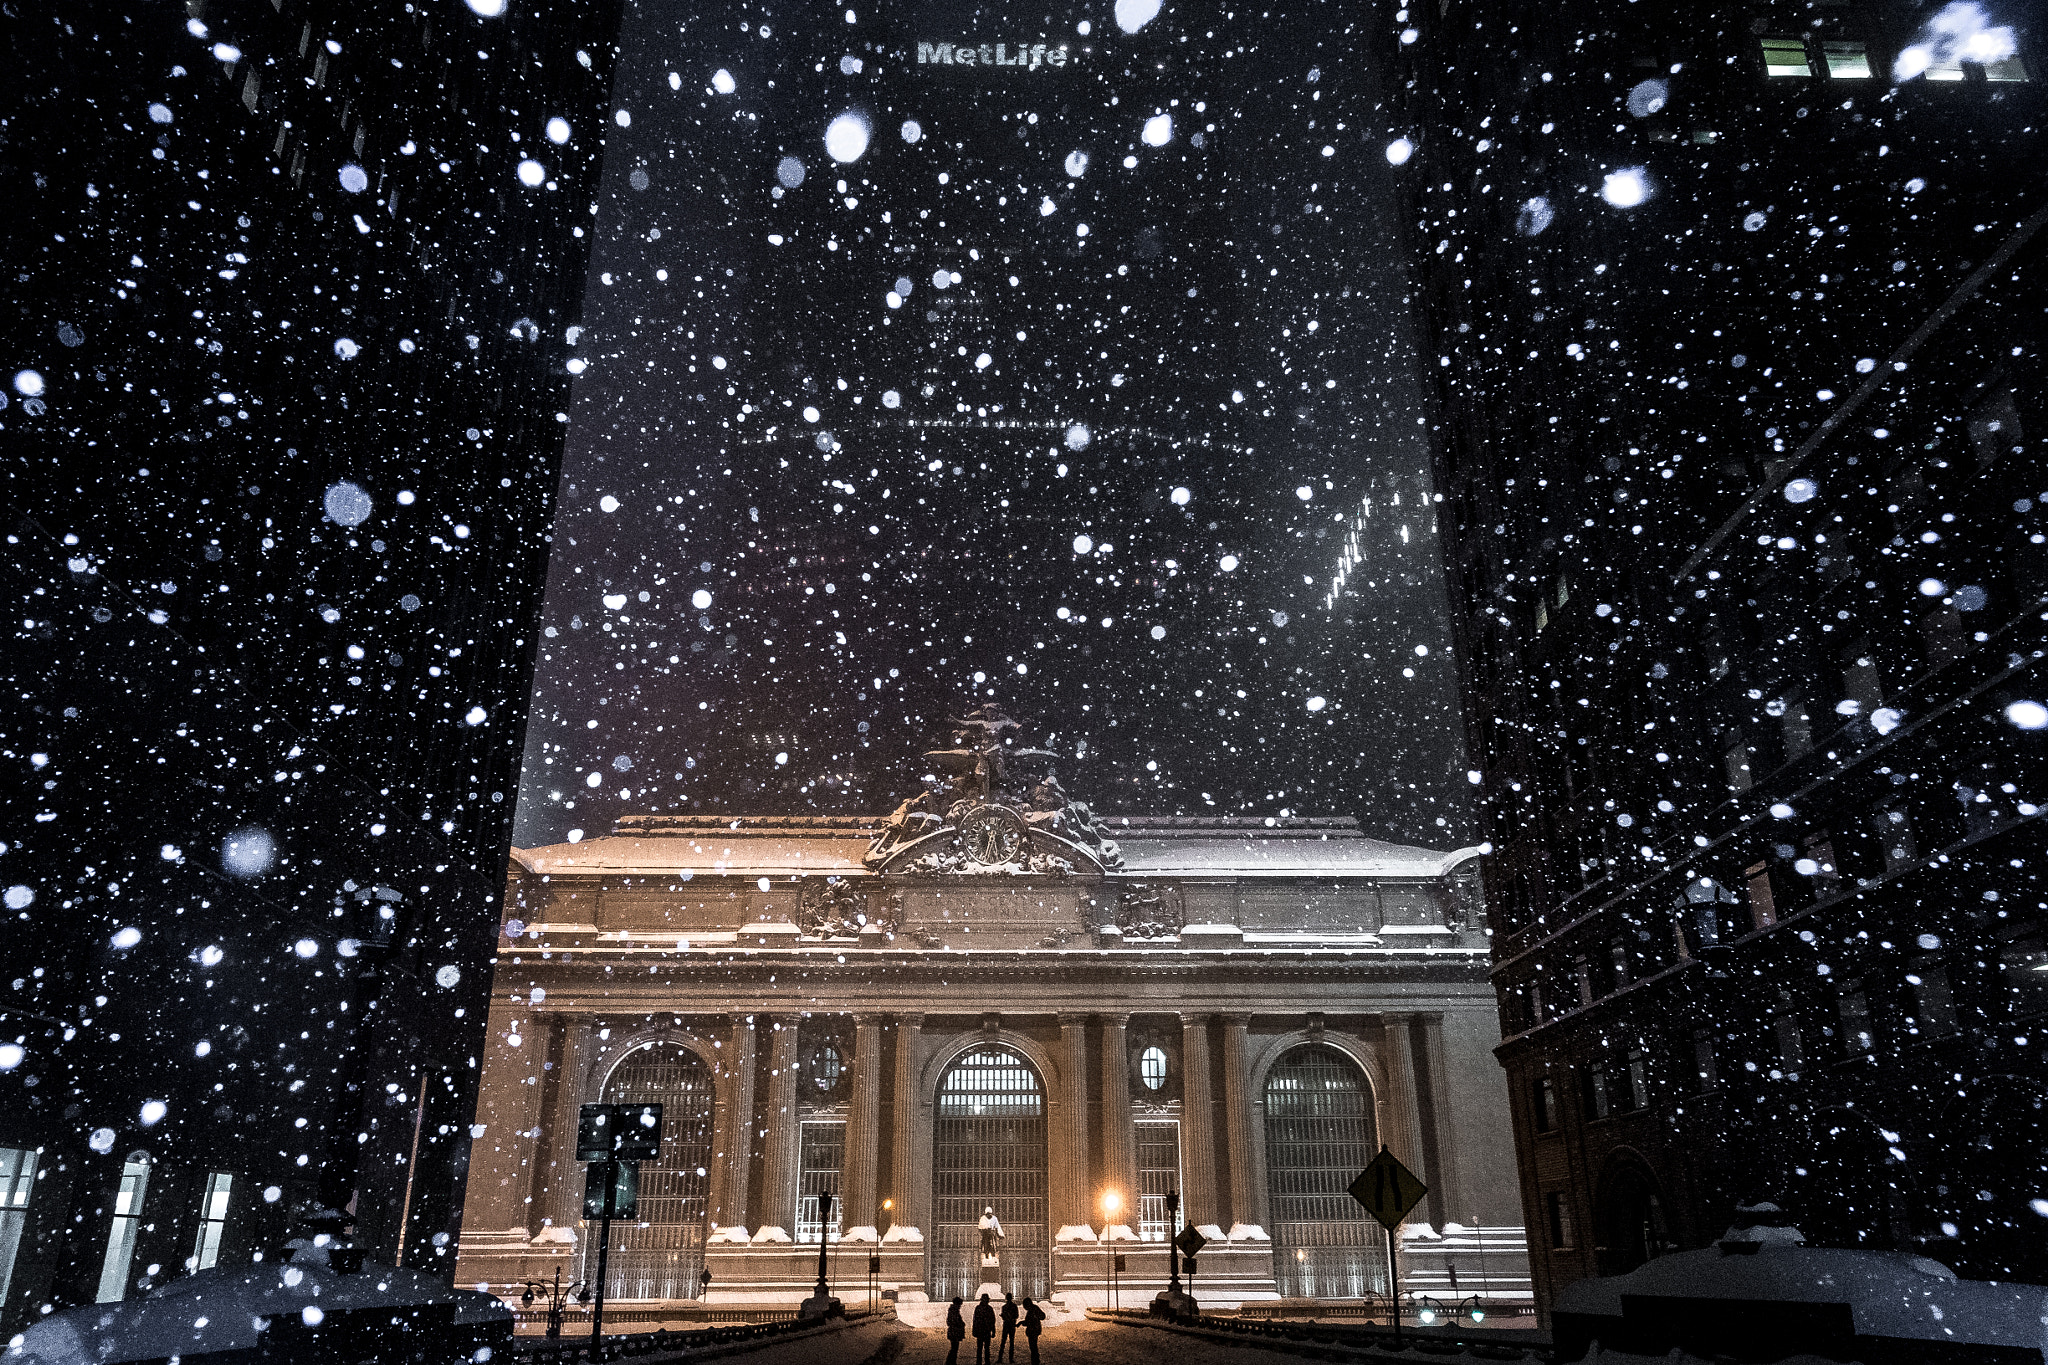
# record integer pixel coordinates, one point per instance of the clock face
(993, 834)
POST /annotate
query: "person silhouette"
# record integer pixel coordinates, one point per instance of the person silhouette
(984, 1331)
(956, 1331)
(1034, 1323)
(1008, 1343)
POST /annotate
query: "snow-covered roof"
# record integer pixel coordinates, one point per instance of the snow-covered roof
(798, 845)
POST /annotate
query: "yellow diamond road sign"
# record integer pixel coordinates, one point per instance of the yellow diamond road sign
(1387, 1190)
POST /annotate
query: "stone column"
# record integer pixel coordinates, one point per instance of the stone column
(904, 1185)
(777, 1197)
(863, 1131)
(731, 1213)
(1448, 1198)
(1400, 1128)
(561, 1175)
(1245, 1204)
(1119, 1143)
(502, 1162)
(1198, 1201)
(1072, 1201)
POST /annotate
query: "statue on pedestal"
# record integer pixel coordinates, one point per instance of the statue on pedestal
(991, 1233)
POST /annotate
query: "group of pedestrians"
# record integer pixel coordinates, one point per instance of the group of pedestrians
(985, 1318)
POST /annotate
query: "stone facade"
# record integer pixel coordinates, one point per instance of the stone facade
(816, 1016)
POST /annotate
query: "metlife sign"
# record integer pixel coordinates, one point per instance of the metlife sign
(1029, 57)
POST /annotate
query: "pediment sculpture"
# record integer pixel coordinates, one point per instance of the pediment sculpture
(990, 807)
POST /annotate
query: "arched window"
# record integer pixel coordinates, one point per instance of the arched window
(1152, 1067)
(658, 1254)
(1319, 1135)
(989, 1152)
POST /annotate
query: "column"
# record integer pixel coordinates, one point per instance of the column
(501, 1170)
(905, 1186)
(1074, 1212)
(1245, 1203)
(863, 1131)
(1197, 1126)
(731, 1213)
(1119, 1145)
(1400, 1127)
(1449, 1200)
(561, 1175)
(777, 1198)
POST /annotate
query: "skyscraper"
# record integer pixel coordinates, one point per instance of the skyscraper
(282, 361)
(1735, 318)
(1057, 354)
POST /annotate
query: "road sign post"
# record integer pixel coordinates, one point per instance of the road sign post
(614, 1139)
(1388, 1190)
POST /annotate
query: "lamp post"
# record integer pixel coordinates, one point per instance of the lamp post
(558, 1298)
(821, 1304)
(824, 1226)
(1172, 1244)
(1111, 1203)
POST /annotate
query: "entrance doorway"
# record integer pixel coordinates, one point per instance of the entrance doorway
(658, 1254)
(1319, 1135)
(988, 1151)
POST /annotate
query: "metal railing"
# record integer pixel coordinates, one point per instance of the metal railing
(1321, 1339)
(574, 1350)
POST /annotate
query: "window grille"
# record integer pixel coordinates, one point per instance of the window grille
(821, 1157)
(658, 1255)
(989, 1151)
(1158, 1175)
(1320, 1134)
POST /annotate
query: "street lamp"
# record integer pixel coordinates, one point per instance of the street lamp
(1111, 1203)
(558, 1298)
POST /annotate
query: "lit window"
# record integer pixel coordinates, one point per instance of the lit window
(1847, 61)
(17, 1178)
(213, 1220)
(828, 1068)
(1950, 70)
(127, 1221)
(2009, 69)
(1152, 1067)
(1786, 57)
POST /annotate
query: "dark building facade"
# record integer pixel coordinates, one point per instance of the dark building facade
(1735, 314)
(283, 350)
(1070, 379)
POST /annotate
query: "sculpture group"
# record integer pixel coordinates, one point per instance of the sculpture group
(990, 807)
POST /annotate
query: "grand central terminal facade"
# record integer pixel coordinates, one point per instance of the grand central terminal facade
(995, 1002)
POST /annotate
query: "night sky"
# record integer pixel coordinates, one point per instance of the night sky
(1073, 378)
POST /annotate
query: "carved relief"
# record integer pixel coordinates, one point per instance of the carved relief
(830, 907)
(1144, 910)
(994, 809)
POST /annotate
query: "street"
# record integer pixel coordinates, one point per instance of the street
(1064, 1343)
